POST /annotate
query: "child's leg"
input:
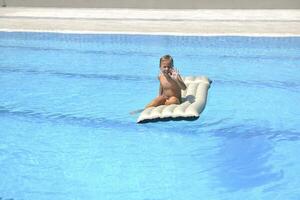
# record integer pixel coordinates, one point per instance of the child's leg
(160, 100)
(172, 100)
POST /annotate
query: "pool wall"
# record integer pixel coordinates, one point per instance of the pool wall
(244, 22)
(162, 4)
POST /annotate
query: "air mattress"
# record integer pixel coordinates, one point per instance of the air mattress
(193, 103)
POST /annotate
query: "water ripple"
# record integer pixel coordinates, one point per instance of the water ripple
(292, 85)
(98, 52)
(97, 122)
(253, 129)
(76, 75)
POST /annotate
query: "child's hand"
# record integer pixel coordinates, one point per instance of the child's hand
(166, 73)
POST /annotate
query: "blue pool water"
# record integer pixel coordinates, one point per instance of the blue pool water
(66, 133)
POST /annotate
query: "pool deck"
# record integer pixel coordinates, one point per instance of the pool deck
(152, 21)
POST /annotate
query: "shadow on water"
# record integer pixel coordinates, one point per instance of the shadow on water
(244, 154)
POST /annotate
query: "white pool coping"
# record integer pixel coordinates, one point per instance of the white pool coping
(155, 22)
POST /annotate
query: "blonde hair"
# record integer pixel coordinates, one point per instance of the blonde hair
(166, 57)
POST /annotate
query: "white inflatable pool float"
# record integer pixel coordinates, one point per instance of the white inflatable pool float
(193, 103)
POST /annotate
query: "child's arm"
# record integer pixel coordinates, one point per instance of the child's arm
(176, 76)
(180, 82)
(160, 90)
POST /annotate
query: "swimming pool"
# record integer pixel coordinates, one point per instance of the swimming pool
(66, 132)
